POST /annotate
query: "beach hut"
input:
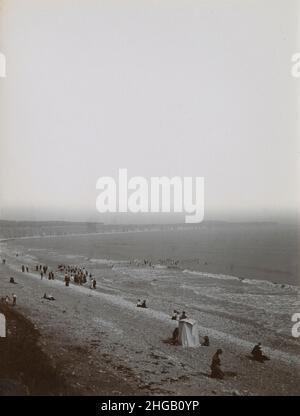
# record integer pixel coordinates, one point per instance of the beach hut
(188, 333)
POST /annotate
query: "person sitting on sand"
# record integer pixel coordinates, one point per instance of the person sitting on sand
(183, 316)
(94, 283)
(258, 354)
(175, 315)
(141, 304)
(48, 297)
(215, 367)
(12, 280)
(205, 342)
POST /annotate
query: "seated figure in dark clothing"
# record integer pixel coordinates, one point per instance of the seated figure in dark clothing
(205, 342)
(216, 371)
(258, 354)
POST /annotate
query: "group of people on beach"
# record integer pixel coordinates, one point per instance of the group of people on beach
(77, 275)
(148, 263)
(168, 262)
(7, 300)
(177, 316)
(141, 304)
(25, 268)
(42, 269)
(216, 371)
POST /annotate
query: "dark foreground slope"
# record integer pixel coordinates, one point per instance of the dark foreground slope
(24, 368)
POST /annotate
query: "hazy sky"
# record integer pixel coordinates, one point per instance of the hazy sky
(161, 87)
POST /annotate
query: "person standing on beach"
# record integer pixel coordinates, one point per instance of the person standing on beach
(183, 316)
(42, 274)
(175, 315)
(14, 299)
(67, 280)
(23, 268)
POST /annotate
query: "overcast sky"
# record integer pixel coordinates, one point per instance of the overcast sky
(161, 87)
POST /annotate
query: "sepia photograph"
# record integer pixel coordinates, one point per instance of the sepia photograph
(149, 200)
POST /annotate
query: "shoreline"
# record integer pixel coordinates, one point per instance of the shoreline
(95, 336)
(38, 362)
(213, 275)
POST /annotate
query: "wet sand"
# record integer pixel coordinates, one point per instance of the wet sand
(102, 344)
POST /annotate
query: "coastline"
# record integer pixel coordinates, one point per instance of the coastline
(103, 345)
(38, 360)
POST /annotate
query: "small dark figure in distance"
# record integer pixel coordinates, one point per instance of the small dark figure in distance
(175, 315)
(215, 367)
(258, 354)
(14, 299)
(183, 316)
(48, 297)
(205, 342)
(175, 336)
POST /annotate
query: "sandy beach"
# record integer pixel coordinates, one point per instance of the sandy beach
(100, 343)
(149, 154)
